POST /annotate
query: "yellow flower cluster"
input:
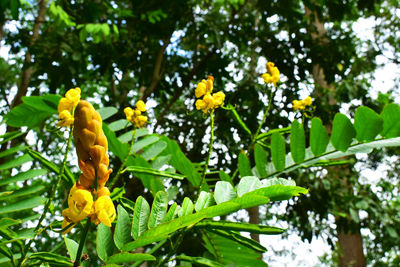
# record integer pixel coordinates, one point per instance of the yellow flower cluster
(66, 107)
(135, 115)
(209, 101)
(302, 104)
(272, 75)
(91, 149)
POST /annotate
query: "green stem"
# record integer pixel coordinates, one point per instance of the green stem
(52, 193)
(173, 249)
(210, 147)
(271, 97)
(82, 243)
(254, 138)
(120, 170)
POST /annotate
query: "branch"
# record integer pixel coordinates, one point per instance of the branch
(189, 77)
(28, 69)
(156, 73)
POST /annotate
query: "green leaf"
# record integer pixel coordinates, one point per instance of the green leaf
(277, 192)
(115, 145)
(368, 124)
(125, 257)
(125, 137)
(199, 261)
(180, 162)
(230, 252)
(343, 132)
(319, 138)
(141, 242)
(25, 115)
(391, 121)
(167, 228)
(9, 136)
(51, 258)
(16, 162)
(225, 177)
(172, 212)
(38, 103)
(297, 142)
(224, 191)
(72, 248)
(104, 242)
(107, 112)
(122, 234)
(12, 150)
(278, 151)
(247, 184)
(154, 150)
(205, 200)
(158, 209)
(144, 142)
(271, 132)
(187, 207)
(160, 161)
(244, 165)
(25, 191)
(67, 176)
(145, 170)
(260, 158)
(241, 227)
(23, 176)
(140, 217)
(24, 204)
(234, 236)
(118, 125)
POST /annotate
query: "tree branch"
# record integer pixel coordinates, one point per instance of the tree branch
(28, 69)
(146, 92)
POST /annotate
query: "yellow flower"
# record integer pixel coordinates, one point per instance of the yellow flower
(272, 75)
(64, 104)
(218, 99)
(308, 101)
(141, 106)
(73, 95)
(200, 104)
(201, 89)
(65, 119)
(104, 211)
(80, 202)
(135, 115)
(128, 113)
(298, 104)
(204, 87)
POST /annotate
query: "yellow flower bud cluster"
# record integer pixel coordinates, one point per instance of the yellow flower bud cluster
(272, 75)
(209, 101)
(66, 107)
(91, 148)
(135, 115)
(302, 104)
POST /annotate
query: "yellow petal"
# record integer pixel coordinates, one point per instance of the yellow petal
(141, 106)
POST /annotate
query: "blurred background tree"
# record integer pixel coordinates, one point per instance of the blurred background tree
(122, 51)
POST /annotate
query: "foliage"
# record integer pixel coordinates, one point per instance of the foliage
(122, 51)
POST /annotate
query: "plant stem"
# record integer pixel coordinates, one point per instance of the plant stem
(210, 147)
(254, 138)
(82, 243)
(52, 193)
(271, 96)
(115, 179)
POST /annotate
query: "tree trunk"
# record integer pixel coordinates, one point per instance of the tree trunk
(351, 248)
(28, 69)
(349, 236)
